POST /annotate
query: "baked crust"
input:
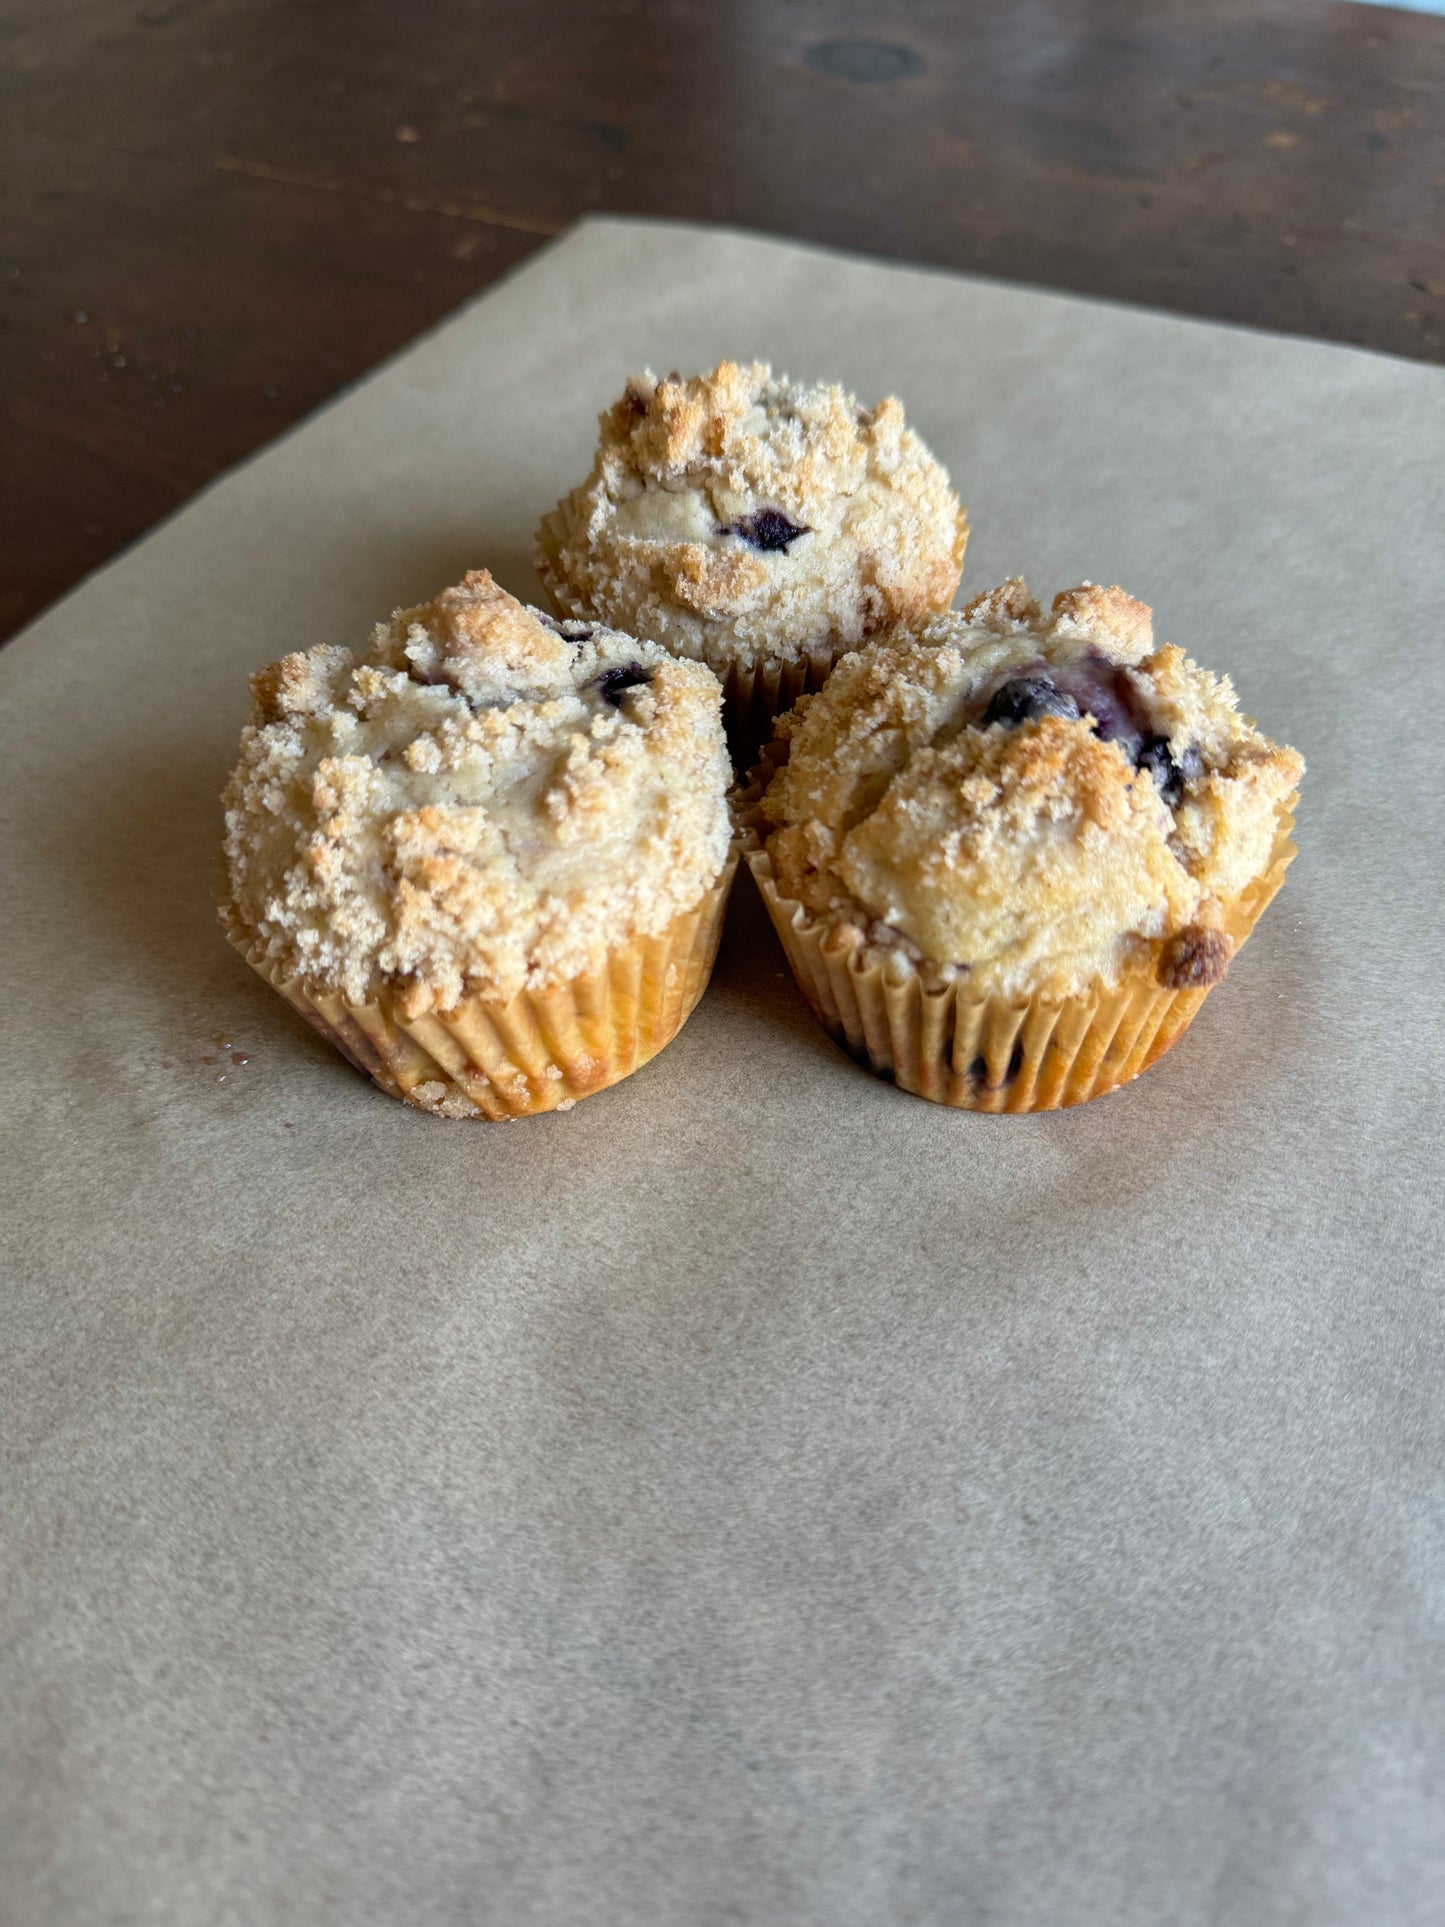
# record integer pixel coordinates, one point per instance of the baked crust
(738, 518)
(486, 800)
(1046, 854)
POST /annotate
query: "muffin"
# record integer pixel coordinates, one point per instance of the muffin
(1010, 854)
(489, 857)
(758, 525)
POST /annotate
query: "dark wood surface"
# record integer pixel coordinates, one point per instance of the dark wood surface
(213, 213)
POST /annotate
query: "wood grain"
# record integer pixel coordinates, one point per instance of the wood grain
(214, 213)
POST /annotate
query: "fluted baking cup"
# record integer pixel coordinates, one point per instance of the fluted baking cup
(552, 532)
(540, 1050)
(928, 1035)
(755, 695)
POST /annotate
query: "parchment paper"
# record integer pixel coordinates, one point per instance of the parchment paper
(757, 1496)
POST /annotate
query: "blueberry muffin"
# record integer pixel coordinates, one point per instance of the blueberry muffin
(1009, 854)
(758, 525)
(489, 856)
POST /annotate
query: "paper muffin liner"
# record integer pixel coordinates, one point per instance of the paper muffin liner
(931, 1037)
(552, 532)
(539, 1051)
(755, 696)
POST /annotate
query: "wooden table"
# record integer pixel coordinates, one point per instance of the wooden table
(213, 213)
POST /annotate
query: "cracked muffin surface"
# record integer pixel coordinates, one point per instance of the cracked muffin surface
(738, 518)
(1038, 803)
(484, 799)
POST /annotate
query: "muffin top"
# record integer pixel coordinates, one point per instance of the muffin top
(1042, 801)
(735, 517)
(485, 800)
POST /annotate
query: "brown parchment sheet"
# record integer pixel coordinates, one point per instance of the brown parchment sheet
(756, 1495)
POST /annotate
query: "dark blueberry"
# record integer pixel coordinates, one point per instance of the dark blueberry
(613, 684)
(1104, 691)
(767, 529)
(1171, 777)
(1025, 698)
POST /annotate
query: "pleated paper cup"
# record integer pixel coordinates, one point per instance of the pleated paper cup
(754, 697)
(538, 1051)
(552, 533)
(931, 1037)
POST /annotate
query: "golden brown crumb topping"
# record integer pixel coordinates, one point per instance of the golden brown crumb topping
(736, 517)
(1041, 800)
(487, 799)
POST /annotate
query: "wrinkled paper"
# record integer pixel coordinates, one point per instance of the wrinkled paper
(757, 1495)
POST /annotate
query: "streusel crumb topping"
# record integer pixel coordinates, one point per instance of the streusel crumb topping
(736, 517)
(1041, 801)
(486, 800)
